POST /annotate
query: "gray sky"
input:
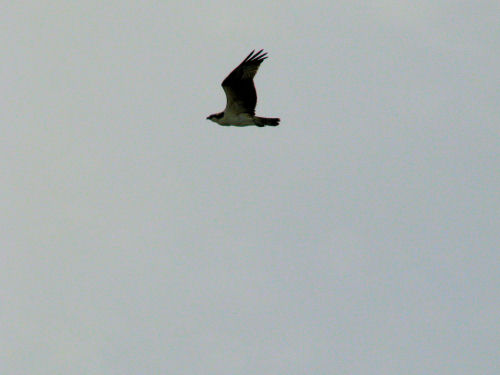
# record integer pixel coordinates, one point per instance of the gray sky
(361, 236)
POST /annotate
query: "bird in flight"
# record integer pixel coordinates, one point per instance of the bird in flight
(241, 96)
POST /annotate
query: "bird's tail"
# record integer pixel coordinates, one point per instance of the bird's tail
(263, 121)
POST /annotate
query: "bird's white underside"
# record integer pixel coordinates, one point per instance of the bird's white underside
(242, 119)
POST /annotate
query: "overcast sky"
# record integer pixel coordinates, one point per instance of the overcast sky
(361, 236)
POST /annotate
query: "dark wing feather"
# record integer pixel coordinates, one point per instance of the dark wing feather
(238, 85)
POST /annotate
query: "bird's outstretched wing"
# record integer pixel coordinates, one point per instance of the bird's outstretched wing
(238, 85)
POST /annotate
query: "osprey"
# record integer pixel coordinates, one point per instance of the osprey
(241, 95)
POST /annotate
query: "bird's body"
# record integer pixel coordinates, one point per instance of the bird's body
(228, 119)
(242, 97)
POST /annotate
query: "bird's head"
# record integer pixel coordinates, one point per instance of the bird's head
(215, 117)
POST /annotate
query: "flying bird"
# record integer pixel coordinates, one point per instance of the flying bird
(241, 95)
